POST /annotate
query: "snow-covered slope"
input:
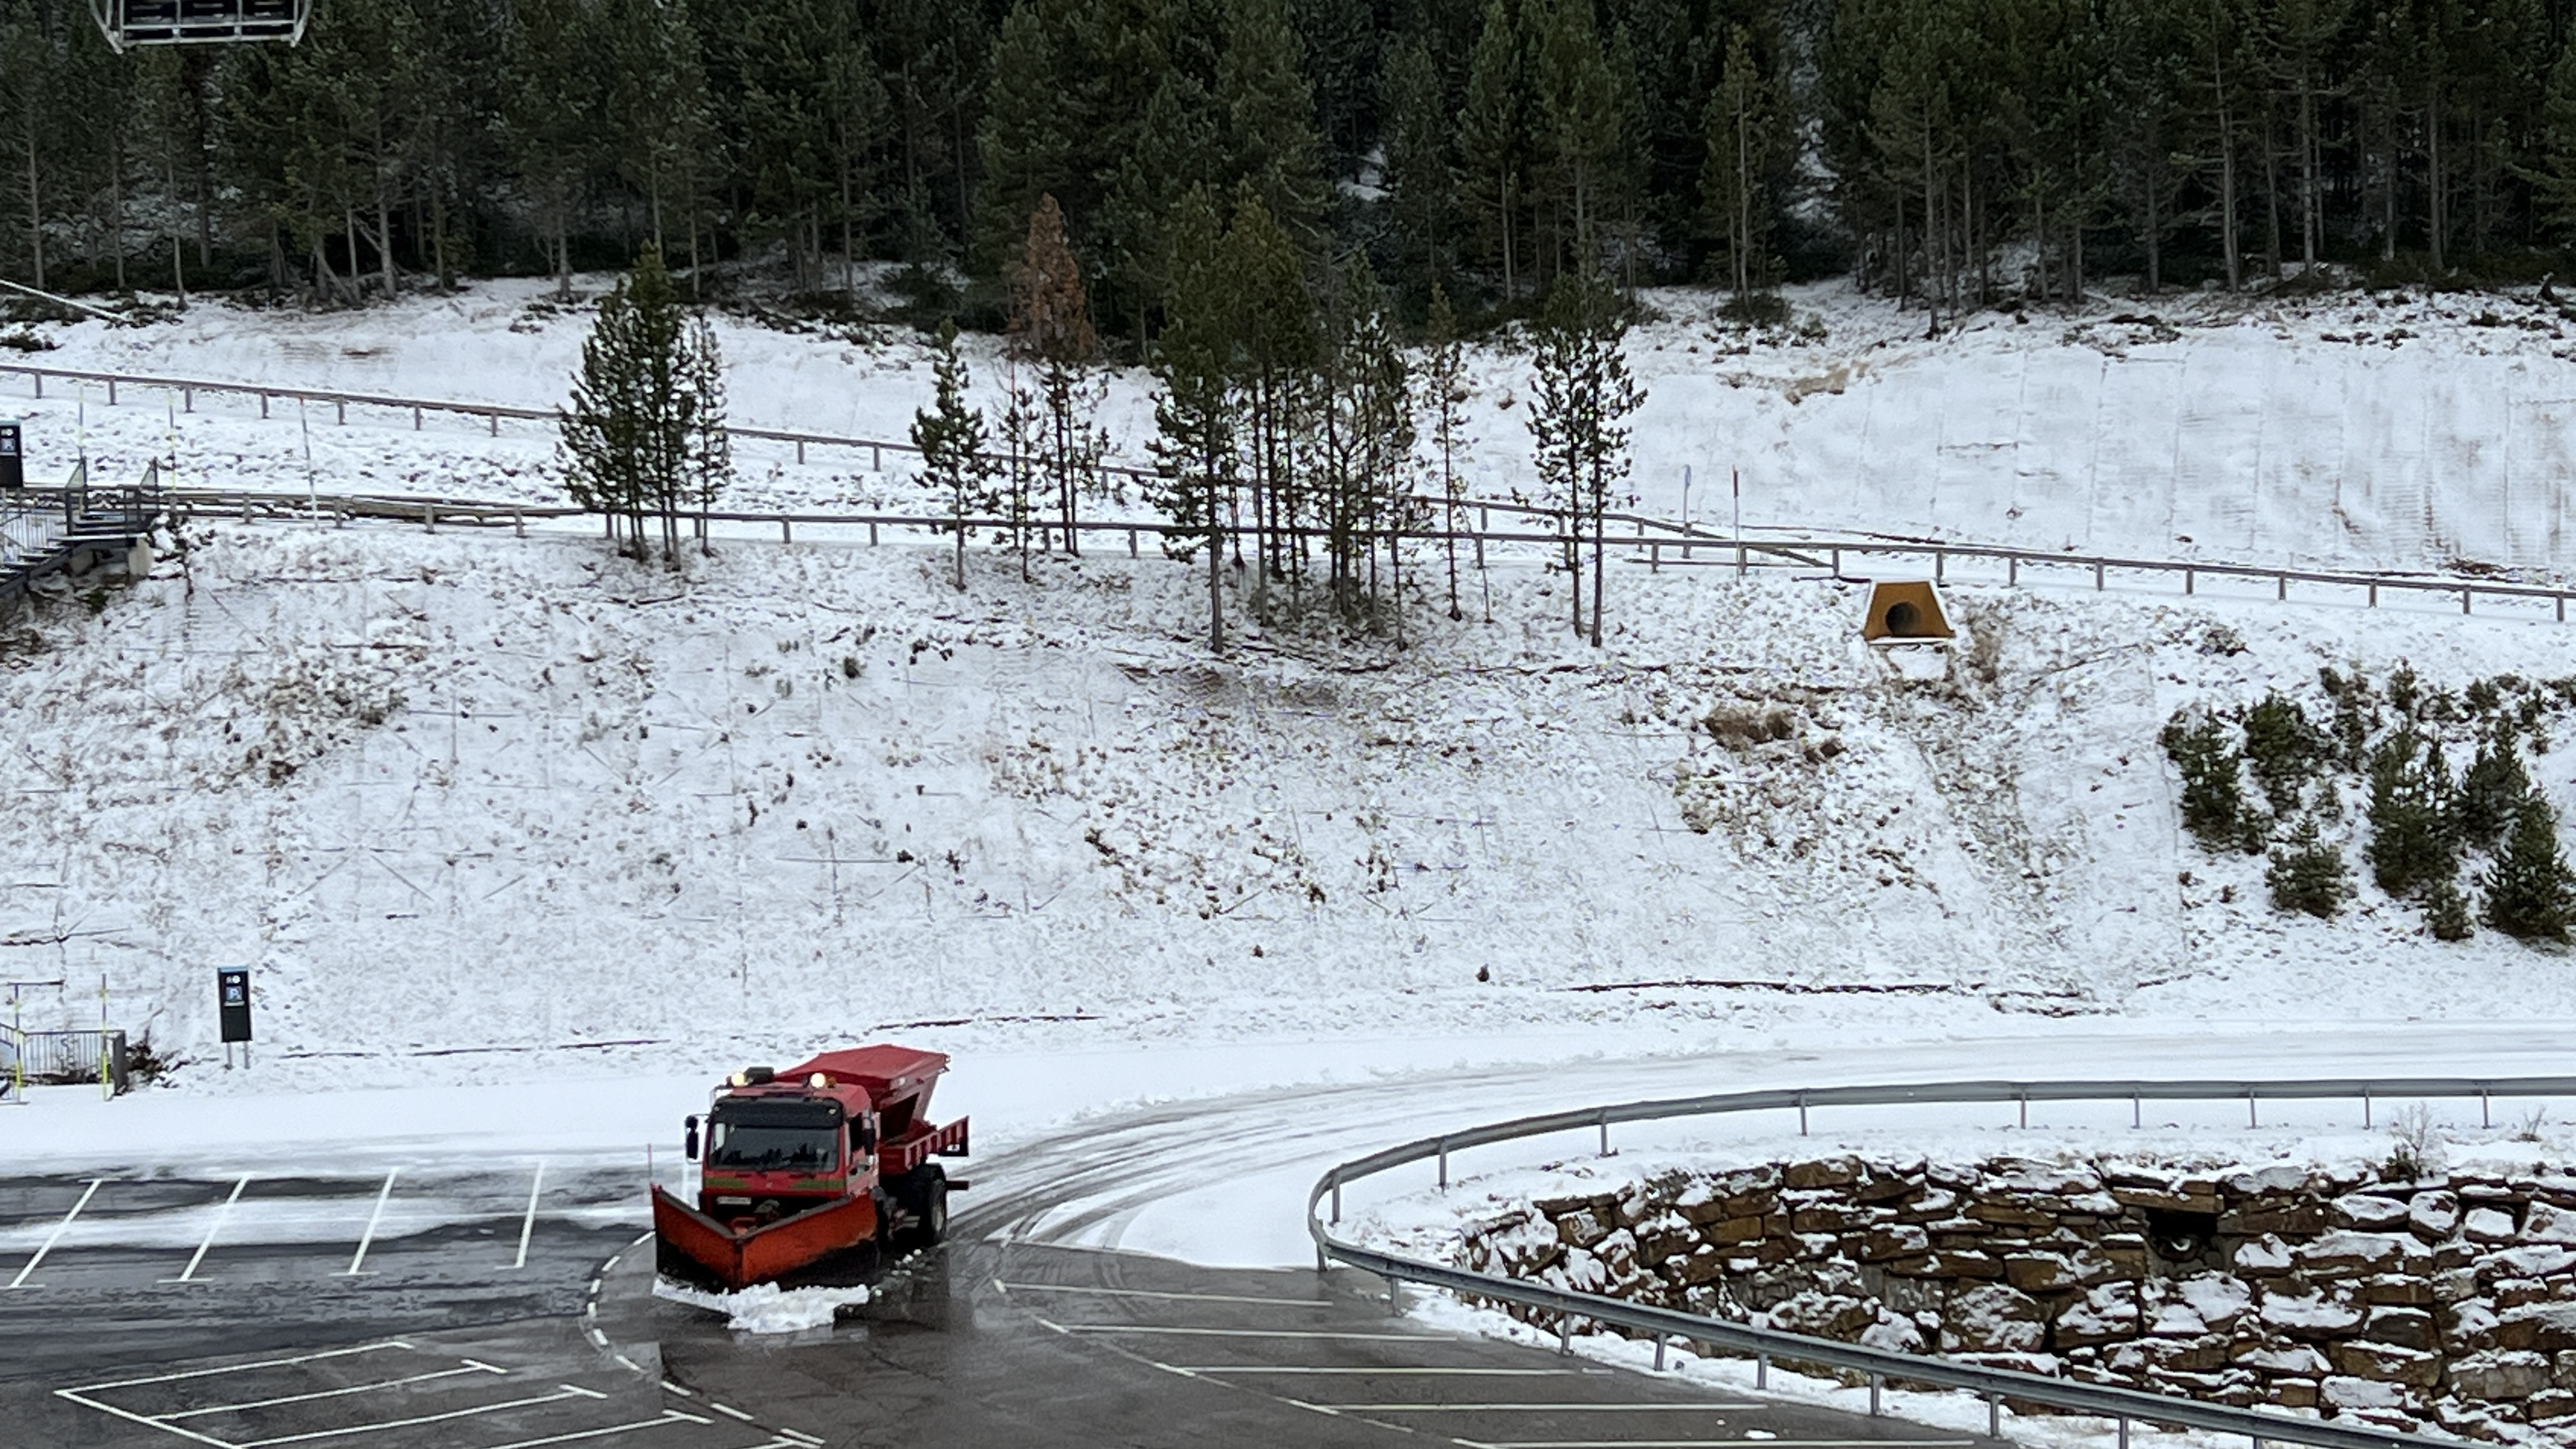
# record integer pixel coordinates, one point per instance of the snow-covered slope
(474, 792)
(2401, 432)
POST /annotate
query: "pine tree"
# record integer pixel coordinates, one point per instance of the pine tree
(1269, 116)
(1051, 331)
(2553, 177)
(644, 433)
(1444, 387)
(1578, 420)
(1494, 136)
(2410, 790)
(2491, 792)
(2308, 876)
(1278, 346)
(1421, 182)
(1741, 140)
(1195, 409)
(2530, 893)
(2446, 911)
(552, 106)
(956, 457)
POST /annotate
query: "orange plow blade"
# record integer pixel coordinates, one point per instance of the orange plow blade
(691, 1244)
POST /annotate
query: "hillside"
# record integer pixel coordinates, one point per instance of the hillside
(2392, 430)
(474, 793)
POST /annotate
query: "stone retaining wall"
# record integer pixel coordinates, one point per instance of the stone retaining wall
(2451, 1300)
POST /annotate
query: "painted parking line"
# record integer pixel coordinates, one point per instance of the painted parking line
(1542, 1409)
(1354, 1371)
(562, 1392)
(238, 1368)
(189, 1275)
(1006, 1289)
(373, 1218)
(528, 1224)
(57, 1234)
(668, 1416)
(470, 1366)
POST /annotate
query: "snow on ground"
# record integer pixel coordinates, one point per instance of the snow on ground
(2516, 1136)
(2397, 431)
(768, 1308)
(457, 798)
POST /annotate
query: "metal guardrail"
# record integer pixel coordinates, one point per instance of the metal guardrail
(1661, 541)
(62, 1058)
(1994, 1385)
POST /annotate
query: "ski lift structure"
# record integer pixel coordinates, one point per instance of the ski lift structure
(130, 23)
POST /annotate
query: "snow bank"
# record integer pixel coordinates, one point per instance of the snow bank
(768, 1308)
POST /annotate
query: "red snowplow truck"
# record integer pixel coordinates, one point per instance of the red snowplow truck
(802, 1164)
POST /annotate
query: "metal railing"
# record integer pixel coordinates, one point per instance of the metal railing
(1656, 542)
(62, 1059)
(1994, 1385)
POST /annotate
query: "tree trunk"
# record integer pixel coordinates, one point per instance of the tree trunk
(2307, 174)
(35, 210)
(385, 243)
(2227, 190)
(116, 201)
(2436, 185)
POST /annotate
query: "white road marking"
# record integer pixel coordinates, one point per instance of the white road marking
(669, 1416)
(471, 1367)
(730, 1411)
(212, 1228)
(56, 1235)
(239, 1368)
(373, 1218)
(565, 1391)
(1496, 1373)
(1538, 1408)
(1009, 1288)
(1315, 1333)
(528, 1224)
(129, 1415)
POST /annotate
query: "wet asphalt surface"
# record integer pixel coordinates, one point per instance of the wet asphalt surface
(225, 1313)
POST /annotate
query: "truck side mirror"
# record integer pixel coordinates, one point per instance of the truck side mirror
(867, 1137)
(689, 1143)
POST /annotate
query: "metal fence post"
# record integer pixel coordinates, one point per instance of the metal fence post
(1994, 1417)
(111, 392)
(343, 405)
(1565, 1333)
(2466, 594)
(1762, 1371)
(800, 452)
(1802, 1114)
(1444, 1167)
(2280, 590)
(415, 418)
(1659, 1353)
(1873, 1404)
(2187, 581)
(876, 458)
(2097, 576)
(1336, 1218)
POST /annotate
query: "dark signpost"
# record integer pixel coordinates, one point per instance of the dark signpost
(13, 459)
(232, 1000)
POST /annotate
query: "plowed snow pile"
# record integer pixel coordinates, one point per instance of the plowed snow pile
(457, 794)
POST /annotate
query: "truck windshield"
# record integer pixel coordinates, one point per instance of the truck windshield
(774, 1137)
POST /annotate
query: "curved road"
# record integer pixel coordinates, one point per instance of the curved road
(1047, 1321)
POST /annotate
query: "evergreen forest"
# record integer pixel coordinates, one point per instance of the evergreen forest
(1956, 153)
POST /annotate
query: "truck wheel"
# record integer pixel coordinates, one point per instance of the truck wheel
(923, 1192)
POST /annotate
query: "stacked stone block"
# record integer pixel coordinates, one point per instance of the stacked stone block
(2449, 1301)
